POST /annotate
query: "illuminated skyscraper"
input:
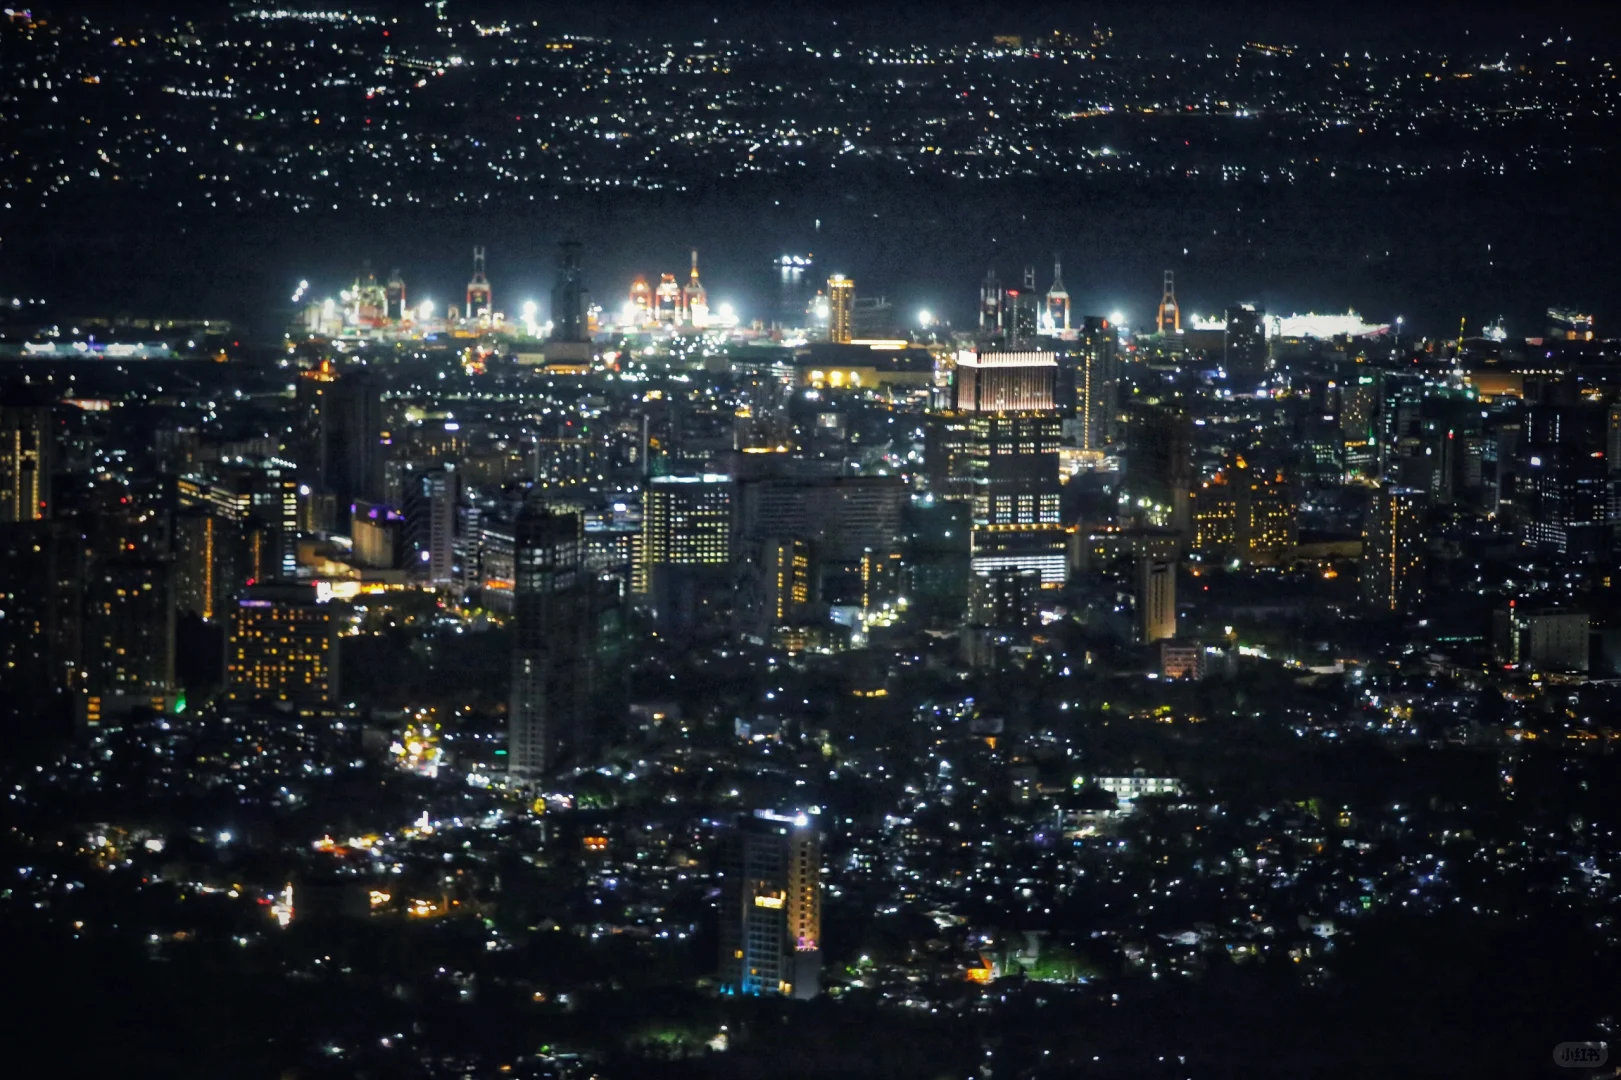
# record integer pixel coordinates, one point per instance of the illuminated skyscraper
(841, 299)
(1156, 600)
(283, 646)
(1091, 362)
(1393, 550)
(793, 288)
(996, 449)
(685, 550)
(27, 436)
(552, 660)
(771, 906)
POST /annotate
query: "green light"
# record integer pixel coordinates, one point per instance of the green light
(179, 704)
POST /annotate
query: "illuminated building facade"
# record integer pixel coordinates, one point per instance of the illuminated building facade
(1393, 550)
(259, 502)
(283, 646)
(1244, 515)
(997, 450)
(841, 298)
(684, 555)
(794, 275)
(41, 581)
(480, 303)
(771, 906)
(1004, 381)
(1055, 316)
(27, 436)
(1170, 312)
(1089, 367)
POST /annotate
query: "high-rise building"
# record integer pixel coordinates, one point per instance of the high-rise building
(570, 300)
(1156, 600)
(259, 501)
(552, 654)
(1090, 366)
(1393, 550)
(771, 906)
(41, 582)
(996, 449)
(1543, 639)
(844, 515)
(1159, 467)
(1170, 312)
(841, 297)
(283, 646)
(430, 522)
(1244, 514)
(686, 521)
(1005, 599)
(343, 450)
(128, 636)
(1244, 343)
(1004, 381)
(27, 440)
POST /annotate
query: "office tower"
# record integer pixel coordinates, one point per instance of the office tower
(41, 578)
(771, 906)
(686, 524)
(1004, 381)
(1023, 312)
(1393, 550)
(1156, 600)
(283, 646)
(774, 587)
(1090, 366)
(1562, 484)
(794, 275)
(1244, 343)
(215, 556)
(1005, 599)
(430, 521)
(1159, 467)
(996, 449)
(552, 653)
(259, 501)
(1244, 515)
(844, 516)
(841, 295)
(27, 440)
(342, 450)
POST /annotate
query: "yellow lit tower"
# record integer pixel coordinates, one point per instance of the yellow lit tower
(841, 301)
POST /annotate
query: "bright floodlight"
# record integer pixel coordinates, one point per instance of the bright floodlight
(1117, 317)
(925, 317)
(425, 310)
(529, 309)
